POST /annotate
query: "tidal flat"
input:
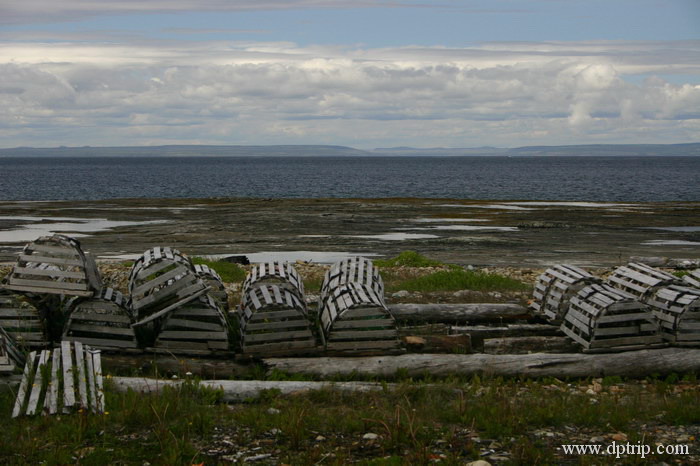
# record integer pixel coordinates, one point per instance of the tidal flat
(480, 233)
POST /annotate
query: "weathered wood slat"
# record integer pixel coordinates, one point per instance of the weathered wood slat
(27, 377)
(38, 383)
(82, 378)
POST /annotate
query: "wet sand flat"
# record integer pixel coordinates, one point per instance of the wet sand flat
(480, 233)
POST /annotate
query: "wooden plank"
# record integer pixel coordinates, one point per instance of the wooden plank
(65, 251)
(48, 272)
(101, 342)
(277, 325)
(14, 324)
(361, 335)
(38, 384)
(169, 309)
(192, 324)
(24, 384)
(99, 389)
(174, 334)
(37, 289)
(80, 364)
(111, 318)
(92, 391)
(49, 260)
(51, 401)
(101, 329)
(68, 390)
(5, 313)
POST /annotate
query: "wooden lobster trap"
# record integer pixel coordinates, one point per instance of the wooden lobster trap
(22, 321)
(358, 270)
(213, 280)
(640, 280)
(54, 265)
(604, 319)
(693, 279)
(678, 310)
(103, 322)
(282, 274)
(161, 280)
(555, 288)
(274, 321)
(354, 318)
(195, 327)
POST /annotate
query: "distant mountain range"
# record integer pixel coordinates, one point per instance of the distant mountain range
(692, 149)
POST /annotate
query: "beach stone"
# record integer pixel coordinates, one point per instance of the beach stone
(401, 294)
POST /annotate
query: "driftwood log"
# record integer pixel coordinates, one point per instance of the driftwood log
(628, 364)
(242, 390)
(458, 313)
(525, 345)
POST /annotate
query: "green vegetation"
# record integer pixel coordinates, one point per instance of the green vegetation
(408, 259)
(412, 421)
(460, 279)
(230, 273)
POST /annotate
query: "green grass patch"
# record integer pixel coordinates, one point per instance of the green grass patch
(459, 279)
(230, 273)
(408, 259)
(188, 425)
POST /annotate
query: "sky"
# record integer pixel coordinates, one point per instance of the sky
(361, 73)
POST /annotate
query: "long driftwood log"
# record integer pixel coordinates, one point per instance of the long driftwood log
(242, 390)
(627, 364)
(458, 313)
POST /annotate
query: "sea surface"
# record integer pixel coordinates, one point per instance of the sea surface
(616, 179)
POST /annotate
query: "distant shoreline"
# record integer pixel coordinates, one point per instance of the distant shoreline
(586, 150)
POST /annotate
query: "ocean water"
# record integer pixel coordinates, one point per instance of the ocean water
(599, 179)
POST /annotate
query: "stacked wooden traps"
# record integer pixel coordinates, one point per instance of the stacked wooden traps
(640, 280)
(60, 381)
(102, 322)
(601, 318)
(167, 295)
(353, 314)
(693, 278)
(54, 265)
(678, 310)
(273, 314)
(211, 278)
(22, 321)
(555, 288)
(196, 327)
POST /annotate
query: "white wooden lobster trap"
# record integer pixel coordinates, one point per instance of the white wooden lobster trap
(274, 321)
(603, 319)
(555, 288)
(678, 310)
(54, 265)
(102, 322)
(161, 280)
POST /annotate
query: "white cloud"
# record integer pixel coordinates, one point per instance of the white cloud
(504, 94)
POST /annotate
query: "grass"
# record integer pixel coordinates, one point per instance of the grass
(459, 279)
(230, 273)
(408, 259)
(184, 426)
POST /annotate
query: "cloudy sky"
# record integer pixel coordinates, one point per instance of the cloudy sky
(363, 73)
